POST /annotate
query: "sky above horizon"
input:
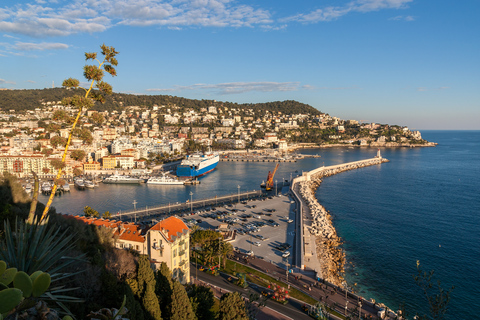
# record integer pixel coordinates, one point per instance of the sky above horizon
(407, 62)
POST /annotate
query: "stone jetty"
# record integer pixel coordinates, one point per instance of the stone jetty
(318, 221)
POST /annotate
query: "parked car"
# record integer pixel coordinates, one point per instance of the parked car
(286, 254)
(257, 244)
(250, 253)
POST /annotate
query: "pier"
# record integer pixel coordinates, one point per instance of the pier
(258, 160)
(188, 206)
(312, 219)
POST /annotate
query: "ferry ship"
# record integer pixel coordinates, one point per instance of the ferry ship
(197, 165)
(164, 180)
(115, 178)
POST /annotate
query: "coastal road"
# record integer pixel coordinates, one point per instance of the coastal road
(291, 310)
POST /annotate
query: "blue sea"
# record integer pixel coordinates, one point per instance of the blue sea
(422, 205)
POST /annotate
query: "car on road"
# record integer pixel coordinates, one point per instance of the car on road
(286, 254)
(289, 220)
(249, 253)
(257, 244)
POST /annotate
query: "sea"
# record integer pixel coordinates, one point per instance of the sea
(423, 205)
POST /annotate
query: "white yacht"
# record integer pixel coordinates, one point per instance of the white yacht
(115, 178)
(164, 180)
(79, 184)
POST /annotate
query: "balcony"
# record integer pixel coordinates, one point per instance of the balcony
(182, 262)
(181, 243)
(157, 247)
(181, 253)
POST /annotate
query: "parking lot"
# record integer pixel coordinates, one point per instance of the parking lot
(264, 228)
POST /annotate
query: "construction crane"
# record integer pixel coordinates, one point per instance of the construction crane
(269, 184)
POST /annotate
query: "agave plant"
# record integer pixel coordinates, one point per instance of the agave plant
(32, 247)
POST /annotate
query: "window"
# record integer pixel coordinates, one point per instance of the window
(174, 253)
(174, 262)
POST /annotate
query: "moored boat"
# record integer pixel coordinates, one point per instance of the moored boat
(164, 180)
(79, 184)
(89, 184)
(115, 178)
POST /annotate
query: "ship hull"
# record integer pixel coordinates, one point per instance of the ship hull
(187, 171)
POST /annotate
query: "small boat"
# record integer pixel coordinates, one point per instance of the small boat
(46, 187)
(88, 184)
(66, 187)
(79, 184)
(28, 188)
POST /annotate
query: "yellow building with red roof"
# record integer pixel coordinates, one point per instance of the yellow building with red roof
(167, 241)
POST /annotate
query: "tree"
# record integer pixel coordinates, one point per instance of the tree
(226, 250)
(77, 172)
(146, 288)
(89, 212)
(202, 301)
(78, 154)
(181, 308)
(106, 215)
(58, 141)
(58, 164)
(97, 118)
(94, 74)
(164, 289)
(232, 307)
(437, 302)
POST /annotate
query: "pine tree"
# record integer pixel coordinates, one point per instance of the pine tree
(202, 301)
(150, 303)
(232, 307)
(181, 308)
(163, 289)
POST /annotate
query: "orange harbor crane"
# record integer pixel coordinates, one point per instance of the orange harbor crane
(269, 184)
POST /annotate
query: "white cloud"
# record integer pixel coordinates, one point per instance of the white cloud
(334, 12)
(3, 81)
(28, 46)
(403, 18)
(237, 87)
(45, 19)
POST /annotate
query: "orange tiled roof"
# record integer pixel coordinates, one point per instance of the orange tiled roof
(173, 226)
(130, 232)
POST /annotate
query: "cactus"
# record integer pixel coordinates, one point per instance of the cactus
(10, 298)
(7, 277)
(34, 275)
(23, 282)
(3, 267)
(64, 318)
(41, 284)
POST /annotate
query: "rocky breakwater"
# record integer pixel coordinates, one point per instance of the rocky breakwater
(331, 256)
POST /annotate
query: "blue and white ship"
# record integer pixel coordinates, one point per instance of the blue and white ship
(197, 165)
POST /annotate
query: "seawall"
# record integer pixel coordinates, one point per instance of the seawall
(320, 245)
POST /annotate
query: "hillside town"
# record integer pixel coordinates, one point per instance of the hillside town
(137, 138)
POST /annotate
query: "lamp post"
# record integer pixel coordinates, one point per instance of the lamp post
(191, 202)
(286, 259)
(135, 209)
(360, 309)
(238, 193)
(275, 187)
(219, 251)
(346, 298)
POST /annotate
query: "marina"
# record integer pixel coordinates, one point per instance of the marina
(371, 208)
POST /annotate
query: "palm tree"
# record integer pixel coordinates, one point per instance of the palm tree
(226, 250)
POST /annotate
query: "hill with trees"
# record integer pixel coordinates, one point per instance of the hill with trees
(22, 100)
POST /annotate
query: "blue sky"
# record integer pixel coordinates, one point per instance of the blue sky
(406, 62)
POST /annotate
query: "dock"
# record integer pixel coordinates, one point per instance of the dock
(176, 207)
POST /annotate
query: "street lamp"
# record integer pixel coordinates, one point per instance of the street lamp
(346, 298)
(191, 202)
(275, 187)
(238, 193)
(360, 309)
(286, 259)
